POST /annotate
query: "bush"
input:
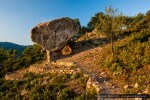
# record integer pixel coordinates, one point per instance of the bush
(65, 94)
(91, 94)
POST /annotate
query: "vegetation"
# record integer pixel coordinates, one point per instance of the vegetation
(37, 86)
(48, 86)
(131, 60)
(13, 46)
(10, 61)
(82, 30)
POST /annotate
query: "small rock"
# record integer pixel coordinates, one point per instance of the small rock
(136, 85)
(102, 73)
(85, 75)
(24, 92)
(89, 81)
(109, 84)
(145, 91)
(44, 82)
(96, 86)
(113, 86)
(126, 86)
(61, 71)
(96, 82)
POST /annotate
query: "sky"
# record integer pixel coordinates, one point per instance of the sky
(18, 17)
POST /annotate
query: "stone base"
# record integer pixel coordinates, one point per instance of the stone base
(55, 55)
(52, 56)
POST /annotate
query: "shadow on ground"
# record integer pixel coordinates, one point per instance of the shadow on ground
(89, 44)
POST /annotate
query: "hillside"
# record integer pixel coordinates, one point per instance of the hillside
(9, 45)
(113, 75)
(92, 57)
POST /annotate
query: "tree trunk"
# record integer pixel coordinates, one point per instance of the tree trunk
(112, 49)
(52, 56)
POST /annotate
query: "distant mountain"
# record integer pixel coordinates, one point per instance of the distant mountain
(9, 45)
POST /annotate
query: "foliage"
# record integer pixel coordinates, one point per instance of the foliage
(78, 22)
(109, 25)
(54, 88)
(95, 20)
(109, 22)
(9, 61)
(131, 56)
(91, 94)
(148, 13)
(64, 94)
(13, 46)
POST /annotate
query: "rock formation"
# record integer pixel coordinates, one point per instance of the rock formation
(54, 35)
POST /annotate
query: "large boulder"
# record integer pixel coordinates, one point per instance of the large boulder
(55, 34)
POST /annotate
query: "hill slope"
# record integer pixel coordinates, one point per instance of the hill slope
(10, 45)
(129, 67)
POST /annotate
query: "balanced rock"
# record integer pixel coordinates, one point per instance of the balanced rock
(55, 34)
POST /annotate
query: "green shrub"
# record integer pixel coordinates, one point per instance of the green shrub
(91, 94)
(65, 94)
(75, 76)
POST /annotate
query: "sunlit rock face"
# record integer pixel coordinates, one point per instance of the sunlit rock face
(55, 34)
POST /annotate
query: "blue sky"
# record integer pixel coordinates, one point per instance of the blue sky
(18, 17)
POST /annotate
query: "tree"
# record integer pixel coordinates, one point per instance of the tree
(128, 21)
(109, 25)
(2, 54)
(95, 21)
(110, 14)
(82, 29)
(10, 54)
(147, 18)
(15, 52)
(120, 24)
(78, 22)
(148, 13)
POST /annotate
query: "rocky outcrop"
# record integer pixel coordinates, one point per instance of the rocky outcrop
(54, 35)
(42, 70)
(55, 67)
(93, 83)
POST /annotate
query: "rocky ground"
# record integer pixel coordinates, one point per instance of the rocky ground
(86, 61)
(44, 68)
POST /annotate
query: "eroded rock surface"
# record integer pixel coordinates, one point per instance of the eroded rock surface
(55, 34)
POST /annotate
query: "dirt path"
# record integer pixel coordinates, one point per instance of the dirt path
(86, 60)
